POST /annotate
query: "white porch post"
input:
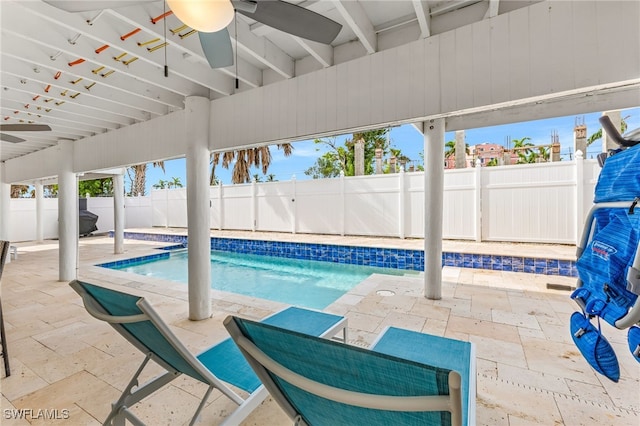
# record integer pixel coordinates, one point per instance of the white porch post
(39, 212)
(198, 221)
(433, 204)
(118, 214)
(5, 199)
(67, 212)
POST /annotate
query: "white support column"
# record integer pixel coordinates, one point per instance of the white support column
(198, 205)
(67, 212)
(401, 203)
(39, 212)
(433, 204)
(5, 200)
(118, 214)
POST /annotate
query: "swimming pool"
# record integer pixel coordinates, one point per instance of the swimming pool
(307, 283)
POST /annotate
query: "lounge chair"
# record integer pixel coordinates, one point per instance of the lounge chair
(136, 320)
(407, 378)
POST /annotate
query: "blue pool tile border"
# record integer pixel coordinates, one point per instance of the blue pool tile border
(412, 260)
(135, 260)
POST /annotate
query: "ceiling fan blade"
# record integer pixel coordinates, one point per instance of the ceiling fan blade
(24, 127)
(217, 48)
(85, 6)
(295, 20)
(9, 138)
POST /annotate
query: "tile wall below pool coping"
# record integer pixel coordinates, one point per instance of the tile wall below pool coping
(371, 256)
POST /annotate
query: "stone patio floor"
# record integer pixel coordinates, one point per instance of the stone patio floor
(529, 371)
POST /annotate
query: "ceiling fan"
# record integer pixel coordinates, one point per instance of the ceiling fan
(216, 43)
(20, 128)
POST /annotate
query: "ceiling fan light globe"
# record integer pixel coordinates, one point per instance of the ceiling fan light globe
(207, 16)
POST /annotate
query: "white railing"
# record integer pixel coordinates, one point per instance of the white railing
(544, 203)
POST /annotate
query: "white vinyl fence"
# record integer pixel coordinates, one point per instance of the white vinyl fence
(543, 203)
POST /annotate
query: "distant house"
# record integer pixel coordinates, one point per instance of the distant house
(486, 152)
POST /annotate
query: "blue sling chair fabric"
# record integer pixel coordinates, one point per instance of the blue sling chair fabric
(134, 318)
(335, 368)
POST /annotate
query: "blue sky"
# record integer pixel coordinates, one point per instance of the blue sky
(410, 141)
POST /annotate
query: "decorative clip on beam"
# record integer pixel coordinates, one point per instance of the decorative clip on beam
(155, 40)
(161, 17)
(127, 35)
(107, 74)
(76, 62)
(185, 35)
(128, 61)
(97, 70)
(88, 87)
(102, 48)
(179, 29)
(76, 81)
(154, 48)
(117, 58)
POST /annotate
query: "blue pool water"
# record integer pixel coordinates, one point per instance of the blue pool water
(307, 283)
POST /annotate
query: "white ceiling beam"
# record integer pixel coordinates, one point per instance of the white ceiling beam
(245, 71)
(424, 17)
(492, 10)
(15, 101)
(9, 109)
(166, 90)
(323, 53)
(130, 108)
(360, 24)
(196, 70)
(190, 46)
(263, 50)
(452, 5)
(82, 112)
(140, 95)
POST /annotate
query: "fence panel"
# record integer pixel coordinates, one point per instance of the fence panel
(458, 220)
(372, 205)
(159, 207)
(22, 217)
(529, 203)
(177, 213)
(274, 206)
(318, 206)
(138, 212)
(237, 207)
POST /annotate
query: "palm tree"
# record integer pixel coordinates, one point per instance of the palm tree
(244, 159)
(543, 153)
(175, 182)
(598, 134)
(450, 149)
(17, 191)
(138, 176)
(521, 146)
(162, 184)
